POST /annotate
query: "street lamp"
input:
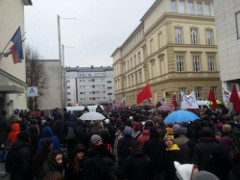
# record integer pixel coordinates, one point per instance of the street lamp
(61, 62)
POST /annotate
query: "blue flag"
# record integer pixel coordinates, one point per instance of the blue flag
(16, 49)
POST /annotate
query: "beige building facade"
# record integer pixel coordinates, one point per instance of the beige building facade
(12, 76)
(174, 49)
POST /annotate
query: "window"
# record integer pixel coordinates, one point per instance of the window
(93, 86)
(191, 7)
(209, 37)
(109, 81)
(131, 63)
(238, 24)
(109, 87)
(151, 46)
(207, 9)
(68, 93)
(173, 6)
(211, 64)
(196, 64)
(68, 87)
(194, 36)
(180, 64)
(140, 76)
(198, 92)
(182, 6)
(214, 88)
(199, 8)
(178, 35)
(160, 41)
(109, 94)
(135, 60)
(139, 57)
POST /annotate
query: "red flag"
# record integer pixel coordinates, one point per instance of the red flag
(144, 94)
(14, 56)
(212, 99)
(174, 102)
(235, 99)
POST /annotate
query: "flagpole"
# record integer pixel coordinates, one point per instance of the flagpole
(1, 55)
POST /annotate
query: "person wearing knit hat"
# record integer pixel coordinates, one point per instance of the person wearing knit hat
(96, 140)
(173, 153)
(127, 131)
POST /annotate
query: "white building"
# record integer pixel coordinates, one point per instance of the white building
(227, 18)
(12, 76)
(89, 85)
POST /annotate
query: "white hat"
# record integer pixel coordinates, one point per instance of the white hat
(106, 121)
(184, 171)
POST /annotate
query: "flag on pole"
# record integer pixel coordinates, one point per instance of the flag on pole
(174, 101)
(190, 101)
(227, 94)
(16, 49)
(144, 94)
(212, 99)
(235, 99)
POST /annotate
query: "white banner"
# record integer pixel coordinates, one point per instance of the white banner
(189, 101)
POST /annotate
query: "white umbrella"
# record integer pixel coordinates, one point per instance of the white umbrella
(92, 116)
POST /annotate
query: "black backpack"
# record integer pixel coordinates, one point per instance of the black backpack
(10, 163)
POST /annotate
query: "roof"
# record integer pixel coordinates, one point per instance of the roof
(89, 69)
(150, 10)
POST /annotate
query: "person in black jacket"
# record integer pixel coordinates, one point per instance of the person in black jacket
(154, 148)
(23, 158)
(137, 166)
(75, 168)
(54, 163)
(4, 131)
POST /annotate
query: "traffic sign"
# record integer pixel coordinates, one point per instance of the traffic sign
(32, 91)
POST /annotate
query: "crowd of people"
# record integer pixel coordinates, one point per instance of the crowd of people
(132, 143)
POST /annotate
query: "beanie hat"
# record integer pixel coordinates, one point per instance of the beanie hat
(205, 175)
(207, 132)
(183, 171)
(119, 120)
(137, 126)
(226, 128)
(127, 131)
(169, 129)
(106, 121)
(16, 111)
(169, 136)
(95, 138)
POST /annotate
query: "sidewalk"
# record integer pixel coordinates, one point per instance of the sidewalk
(3, 177)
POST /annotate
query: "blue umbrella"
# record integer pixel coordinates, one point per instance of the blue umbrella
(180, 116)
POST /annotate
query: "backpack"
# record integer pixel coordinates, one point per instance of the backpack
(10, 163)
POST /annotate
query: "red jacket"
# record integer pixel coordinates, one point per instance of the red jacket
(144, 137)
(12, 137)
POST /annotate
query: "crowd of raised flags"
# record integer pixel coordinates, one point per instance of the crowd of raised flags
(189, 101)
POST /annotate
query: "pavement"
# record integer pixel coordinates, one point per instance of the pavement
(4, 176)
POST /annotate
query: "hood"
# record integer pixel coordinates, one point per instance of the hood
(183, 171)
(79, 148)
(16, 127)
(146, 132)
(19, 145)
(47, 132)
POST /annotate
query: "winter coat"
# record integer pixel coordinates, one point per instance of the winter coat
(143, 137)
(118, 136)
(50, 165)
(60, 129)
(23, 160)
(137, 167)
(155, 149)
(38, 162)
(12, 137)
(203, 152)
(227, 143)
(136, 134)
(124, 146)
(13, 118)
(47, 133)
(4, 130)
(172, 154)
(181, 139)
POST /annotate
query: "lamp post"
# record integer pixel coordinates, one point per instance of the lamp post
(61, 63)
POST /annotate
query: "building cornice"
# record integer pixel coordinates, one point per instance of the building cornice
(154, 5)
(13, 78)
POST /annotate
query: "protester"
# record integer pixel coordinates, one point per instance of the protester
(15, 130)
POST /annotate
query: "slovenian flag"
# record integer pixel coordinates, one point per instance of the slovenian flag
(16, 49)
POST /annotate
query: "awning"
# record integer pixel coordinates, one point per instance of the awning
(8, 89)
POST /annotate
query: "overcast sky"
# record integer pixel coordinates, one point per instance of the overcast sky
(100, 27)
